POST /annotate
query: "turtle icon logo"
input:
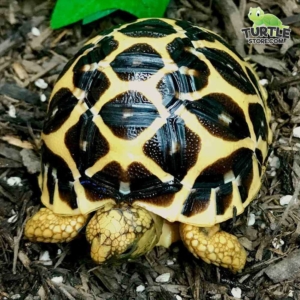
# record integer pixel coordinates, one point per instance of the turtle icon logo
(266, 28)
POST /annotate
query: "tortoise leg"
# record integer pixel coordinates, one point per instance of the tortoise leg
(214, 246)
(47, 227)
(170, 234)
(122, 232)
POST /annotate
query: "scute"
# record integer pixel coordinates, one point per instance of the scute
(158, 113)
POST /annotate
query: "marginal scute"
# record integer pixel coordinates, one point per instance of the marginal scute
(73, 59)
(63, 177)
(240, 162)
(260, 159)
(103, 48)
(60, 108)
(224, 198)
(255, 83)
(144, 184)
(246, 178)
(258, 118)
(97, 190)
(197, 202)
(50, 182)
(162, 200)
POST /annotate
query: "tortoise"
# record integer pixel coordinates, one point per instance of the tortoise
(156, 130)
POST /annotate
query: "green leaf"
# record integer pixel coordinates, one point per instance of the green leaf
(69, 11)
(97, 15)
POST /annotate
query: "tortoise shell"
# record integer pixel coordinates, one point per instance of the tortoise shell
(157, 113)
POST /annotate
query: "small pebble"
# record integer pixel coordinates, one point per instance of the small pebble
(251, 220)
(35, 31)
(236, 292)
(291, 293)
(264, 82)
(13, 219)
(41, 293)
(12, 111)
(140, 288)
(16, 296)
(57, 279)
(293, 93)
(59, 251)
(178, 297)
(43, 98)
(296, 132)
(12, 181)
(275, 162)
(45, 258)
(285, 200)
(170, 262)
(163, 278)
(282, 141)
(277, 243)
(41, 83)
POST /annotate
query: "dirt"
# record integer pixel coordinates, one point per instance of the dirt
(268, 229)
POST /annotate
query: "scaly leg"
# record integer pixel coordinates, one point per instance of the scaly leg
(47, 227)
(122, 232)
(214, 246)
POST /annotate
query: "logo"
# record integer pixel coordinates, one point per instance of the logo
(266, 28)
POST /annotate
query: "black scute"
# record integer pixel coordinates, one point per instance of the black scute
(64, 177)
(149, 28)
(229, 69)
(208, 111)
(240, 162)
(258, 118)
(60, 108)
(71, 61)
(188, 83)
(140, 58)
(128, 114)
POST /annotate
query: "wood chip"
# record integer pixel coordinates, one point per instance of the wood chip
(269, 62)
(286, 269)
(31, 161)
(20, 71)
(16, 92)
(17, 142)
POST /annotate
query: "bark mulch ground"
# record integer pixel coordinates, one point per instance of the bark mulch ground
(30, 61)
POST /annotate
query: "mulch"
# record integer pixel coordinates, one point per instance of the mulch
(31, 57)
